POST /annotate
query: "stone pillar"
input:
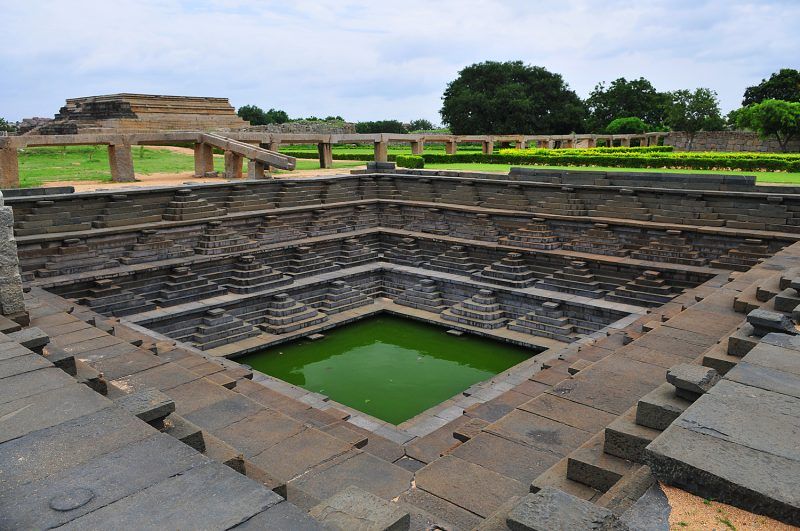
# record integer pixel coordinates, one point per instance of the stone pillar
(203, 159)
(417, 147)
(233, 165)
(120, 159)
(381, 151)
(11, 302)
(9, 168)
(256, 169)
(643, 142)
(521, 144)
(488, 147)
(450, 147)
(325, 150)
(275, 145)
(591, 142)
(625, 141)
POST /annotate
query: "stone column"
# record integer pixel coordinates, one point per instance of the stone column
(591, 142)
(325, 150)
(256, 169)
(381, 151)
(521, 144)
(11, 302)
(450, 147)
(233, 165)
(9, 168)
(417, 147)
(488, 147)
(625, 141)
(120, 159)
(203, 159)
(275, 145)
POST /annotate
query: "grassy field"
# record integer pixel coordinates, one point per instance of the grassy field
(87, 163)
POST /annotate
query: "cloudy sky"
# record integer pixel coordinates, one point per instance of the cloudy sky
(371, 59)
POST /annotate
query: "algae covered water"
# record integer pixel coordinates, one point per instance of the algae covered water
(388, 367)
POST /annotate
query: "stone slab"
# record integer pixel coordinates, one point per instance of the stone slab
(693, 378)
(223, 412)
(255, 433)
(508, 458)
(353, 509)
(554, 510)
(298, 453)
(30, 383)
(282, 517)
(573, 414)
(430, 509)
(148, 404)
(539, 432)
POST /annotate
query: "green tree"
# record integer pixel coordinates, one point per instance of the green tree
(623, 99)
(275, 116)
(420, 124)
(257, 116)
(7, 126)
(381, 126)
(694, 111)
(772, 118)
(511, 97)
(782, 85)
(623, 126)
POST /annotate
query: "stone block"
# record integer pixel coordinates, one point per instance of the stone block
(150, 405)
(353, 509)
(33, 338)
(694, 380)
(60, 358)
(765, 322)
(551, 509)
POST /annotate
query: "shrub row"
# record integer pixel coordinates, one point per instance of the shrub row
(410, 161)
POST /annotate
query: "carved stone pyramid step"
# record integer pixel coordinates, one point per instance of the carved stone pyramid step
(217, 239)
(355, 253)
(423, 296)
(563, 203)
(365, 217)
(386, 188)
(151, 247)
(218, 328)
(186, 205)
(591, 466)
(535, 235)
(744, 256)
(249, 275)
(406, 253)
(183, 285)
(392, 216)
(243, 198)
(416, 189)
(671, 248)
(628, 207)
(48, 216)
(306, 262)
(123, 211)
(509, 197)
(283, 314)
(511, 270)
(432, 221)
(337, 192)
(275, 229)
(463, 193)
(454, 260)
(341, 297)
(74, 256)
(598, 240)
(547, 321)
(481, 311)
(294, 194)
(107, 298)
(648, 289)
(576, 279)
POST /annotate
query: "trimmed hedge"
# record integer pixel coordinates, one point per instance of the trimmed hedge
(414, 162)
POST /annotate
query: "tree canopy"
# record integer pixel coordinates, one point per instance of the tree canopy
(629, 125)
(511, 97)
(694, 111)
(782, 85)
(257, 116)
(6, 126)
(624, 99)
(772, 118)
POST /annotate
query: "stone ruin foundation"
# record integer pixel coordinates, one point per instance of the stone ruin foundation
(661, 316)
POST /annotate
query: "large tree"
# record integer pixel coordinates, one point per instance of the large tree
(257, 116)
(694, 111)
(772, 118)
(782, 85)
(624, 99)
(511, 97)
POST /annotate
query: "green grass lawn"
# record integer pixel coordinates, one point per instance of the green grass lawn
(88, 163)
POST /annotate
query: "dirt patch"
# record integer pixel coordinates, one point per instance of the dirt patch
(692, 513)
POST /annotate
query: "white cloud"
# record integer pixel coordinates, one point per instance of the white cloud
(373, 60)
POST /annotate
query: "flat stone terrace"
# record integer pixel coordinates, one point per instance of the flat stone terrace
(139, 304)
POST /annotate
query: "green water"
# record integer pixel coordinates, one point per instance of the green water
(388, 367)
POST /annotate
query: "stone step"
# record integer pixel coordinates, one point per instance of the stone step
(556, 476)
(88, 376)
(626, 439)
(591, 466)
(627, 490)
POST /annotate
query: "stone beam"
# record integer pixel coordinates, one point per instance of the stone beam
(325, 150)
(203, 159)
(9, 168)
(11, 301)
(120, 159)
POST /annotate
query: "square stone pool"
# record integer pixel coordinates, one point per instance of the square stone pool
(388, 367)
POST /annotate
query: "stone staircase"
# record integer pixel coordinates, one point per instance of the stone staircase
(671, 248)
(481, 311)
(535, 235)
(152, 246)
(423, 296)
(597, 240)
(576, 278)
(511, 271)
(186, 205)
(648, 289)
(454, 260)
(547, 321)
(74, 256)
(249, 275)
(217, 239)
(283, 314)
(120, 210)
(183, 285)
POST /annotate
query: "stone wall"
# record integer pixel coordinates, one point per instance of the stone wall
(727, 141)
(305, 126)
(11, 302)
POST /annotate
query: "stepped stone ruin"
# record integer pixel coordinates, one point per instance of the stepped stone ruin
(660, 315)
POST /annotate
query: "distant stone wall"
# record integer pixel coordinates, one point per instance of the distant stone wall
(726, 141)
(320, 128)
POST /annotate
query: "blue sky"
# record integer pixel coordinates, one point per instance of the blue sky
(375, 60)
